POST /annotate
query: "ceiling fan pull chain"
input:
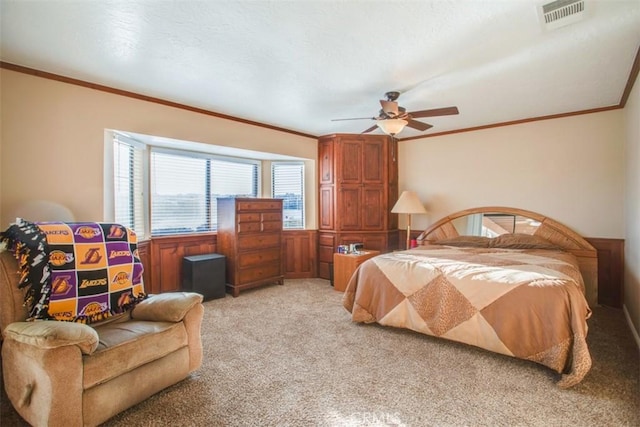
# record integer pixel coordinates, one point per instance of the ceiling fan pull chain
(393, 148)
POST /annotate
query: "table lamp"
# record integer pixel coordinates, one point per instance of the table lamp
(408, 203)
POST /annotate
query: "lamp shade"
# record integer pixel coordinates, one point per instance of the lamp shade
(408, 203)
(391, 126)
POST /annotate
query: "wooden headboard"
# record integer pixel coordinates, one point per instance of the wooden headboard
(551, 230)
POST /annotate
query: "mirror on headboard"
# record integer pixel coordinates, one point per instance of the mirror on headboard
(492, 224)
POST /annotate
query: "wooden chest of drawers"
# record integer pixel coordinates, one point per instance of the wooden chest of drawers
(250, 237)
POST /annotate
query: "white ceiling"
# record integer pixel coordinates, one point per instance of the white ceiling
(299, 64)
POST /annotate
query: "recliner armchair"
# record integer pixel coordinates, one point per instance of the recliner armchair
(72, 374)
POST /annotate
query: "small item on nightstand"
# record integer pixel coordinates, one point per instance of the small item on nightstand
(354, 248)
(414, 243)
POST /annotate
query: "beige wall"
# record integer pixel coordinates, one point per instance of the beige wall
(632, 211)
(53, 144)
(1, 226)
(570, 169)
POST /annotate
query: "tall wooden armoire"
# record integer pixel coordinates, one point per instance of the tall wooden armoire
(358, 185)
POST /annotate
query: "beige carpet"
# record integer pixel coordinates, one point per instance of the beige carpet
(290, 356)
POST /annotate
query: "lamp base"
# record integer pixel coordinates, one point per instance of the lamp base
(408, 237)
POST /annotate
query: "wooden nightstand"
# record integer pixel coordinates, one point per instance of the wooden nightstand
(345, 264)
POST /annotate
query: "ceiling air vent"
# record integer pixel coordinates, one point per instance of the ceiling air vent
(561, 12)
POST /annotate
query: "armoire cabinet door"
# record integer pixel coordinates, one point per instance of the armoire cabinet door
(373, 208)
(325, 160)
(350, 161)
(350, 207)
(373, 161)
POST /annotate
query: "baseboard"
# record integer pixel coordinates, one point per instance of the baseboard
(634, 332)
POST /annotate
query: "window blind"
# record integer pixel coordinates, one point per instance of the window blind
(184, 189)
(287, 180)
(232, 179)
(179, 197)
(128, 173)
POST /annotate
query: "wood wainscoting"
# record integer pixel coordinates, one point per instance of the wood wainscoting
(162, 257)
(610, 270)
(300, 254)
(165, 259)
(144, 252)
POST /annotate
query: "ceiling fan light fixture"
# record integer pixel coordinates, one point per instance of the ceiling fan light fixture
(391, 126)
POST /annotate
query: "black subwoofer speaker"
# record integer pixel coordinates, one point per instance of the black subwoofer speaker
(204, 274)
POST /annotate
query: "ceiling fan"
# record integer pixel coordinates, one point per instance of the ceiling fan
(392, 118)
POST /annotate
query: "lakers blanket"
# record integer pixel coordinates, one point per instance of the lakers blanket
(81, 272)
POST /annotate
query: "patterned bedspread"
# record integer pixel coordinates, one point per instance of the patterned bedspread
(527, 304)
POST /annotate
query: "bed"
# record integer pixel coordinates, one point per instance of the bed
(506, 280)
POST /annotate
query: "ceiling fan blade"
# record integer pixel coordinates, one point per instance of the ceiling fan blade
(389, 107)
(446, 111)
(372, 128)
(354, 118)
(419, 125)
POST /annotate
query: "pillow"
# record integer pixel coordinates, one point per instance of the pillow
(464, 241)
(521, 241)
